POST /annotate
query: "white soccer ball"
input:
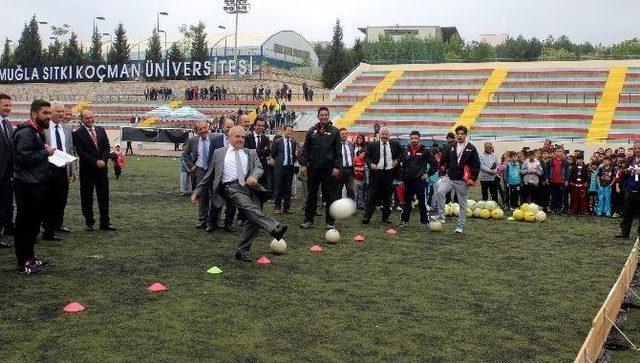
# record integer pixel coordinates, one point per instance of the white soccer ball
(540, 216)
(332, 236)
(471, 203)
(278, 246)
(533, 208)
(456, 209)
(342, 208)
(435, 226)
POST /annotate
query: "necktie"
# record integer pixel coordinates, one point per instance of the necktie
(5, 133)
(384, 155)
(58, 139)
(289, 158)
(239, 169)
(205, 154)
(344, 155)
(257, 141)
(94, 137)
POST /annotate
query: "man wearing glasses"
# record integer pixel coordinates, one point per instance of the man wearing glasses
(462, 164)
(631, 193)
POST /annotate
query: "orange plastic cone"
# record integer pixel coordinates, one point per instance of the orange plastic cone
(358, 238)
(263, 261)
(73, 307)
(316, 249)
(391, 231)
(157, 287)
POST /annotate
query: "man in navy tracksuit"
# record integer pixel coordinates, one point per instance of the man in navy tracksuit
(418, 164)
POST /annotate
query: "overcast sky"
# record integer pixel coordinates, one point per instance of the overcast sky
(597, 21)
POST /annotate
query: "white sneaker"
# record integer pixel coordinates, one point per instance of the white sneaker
(458, 230)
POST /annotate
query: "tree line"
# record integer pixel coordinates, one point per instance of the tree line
(66, 49)
(337, 61)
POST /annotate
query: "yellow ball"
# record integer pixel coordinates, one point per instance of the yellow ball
(529, 217)
(518, 214)
(469, 212)
(497, 214)
(525, 207)
(485, 214)
(541, 216)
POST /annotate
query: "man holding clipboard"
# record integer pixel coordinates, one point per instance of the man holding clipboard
(59, 136)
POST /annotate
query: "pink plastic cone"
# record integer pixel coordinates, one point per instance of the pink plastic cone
(316, 249)
(157, 287)
(263, 261)
(73, 307)
(358, 238)
(391, 231)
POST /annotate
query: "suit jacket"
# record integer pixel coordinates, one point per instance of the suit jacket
(263, 149)
(87, 151)
(469, 158)
(350, 150)
(213, 177)
(278, 152)
(191, 147)
(373, 152)
(68, 143)
(6, 150)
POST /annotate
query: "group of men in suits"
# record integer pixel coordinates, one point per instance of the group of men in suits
(40, 187)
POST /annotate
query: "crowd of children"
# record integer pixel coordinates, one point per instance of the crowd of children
(564, 183)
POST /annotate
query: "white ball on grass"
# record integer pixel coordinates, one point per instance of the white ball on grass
(278, 246)
(332, 236)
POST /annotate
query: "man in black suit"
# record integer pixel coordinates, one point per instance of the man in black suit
(259, 142)
(92, 147)
(283, 152)
(381, 158)
(6, 168)
(221, 141)
(346, 173)
(201, 147)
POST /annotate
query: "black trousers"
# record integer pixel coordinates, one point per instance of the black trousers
(417, 188)
(214, 215)
(316, 179)
(117, 171)
(631, 208)
(283, 179)
(98, 180)
(380, 190)
(489, 187)
(514, 196)
(129, 149)
(6, 202)
(346, 180)
(29, 199)
(529, 193)
(56, 200)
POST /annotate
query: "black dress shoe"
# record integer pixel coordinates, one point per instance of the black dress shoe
(89, 227)
(243, 256)
(229, 229)
(279, 231)
(64, 229)
(108, 227)
(622, 236)
(51, 237)
(386, 221)
(365, 221)
(200, 225)
(210, 229)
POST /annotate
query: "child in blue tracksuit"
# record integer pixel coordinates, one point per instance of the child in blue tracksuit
(593, 187)
(606, 176)
(514, 180)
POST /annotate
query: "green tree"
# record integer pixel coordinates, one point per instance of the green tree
(72, 52)
(196, 40)
(479, 52)
(356, 53)
(322, 52)
(336, 66)
(626, 49)
(54, 53)
(6, 60)
(119, 52)
(28, 53)
(95, 53)
(175, 53)
(454, 49)
(154, 52)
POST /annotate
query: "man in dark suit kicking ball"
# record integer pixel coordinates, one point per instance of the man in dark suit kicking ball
(233, 176)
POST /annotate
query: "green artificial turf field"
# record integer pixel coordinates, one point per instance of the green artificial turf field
(502, 291)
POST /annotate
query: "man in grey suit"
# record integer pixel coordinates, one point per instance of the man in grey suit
(346, 172)
(233, 177)
(60, 137)
(6, 168)
(202, 147)
(283, 154)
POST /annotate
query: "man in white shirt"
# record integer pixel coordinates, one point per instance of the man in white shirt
(346, 172)
(233, 177)
(59, 136)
